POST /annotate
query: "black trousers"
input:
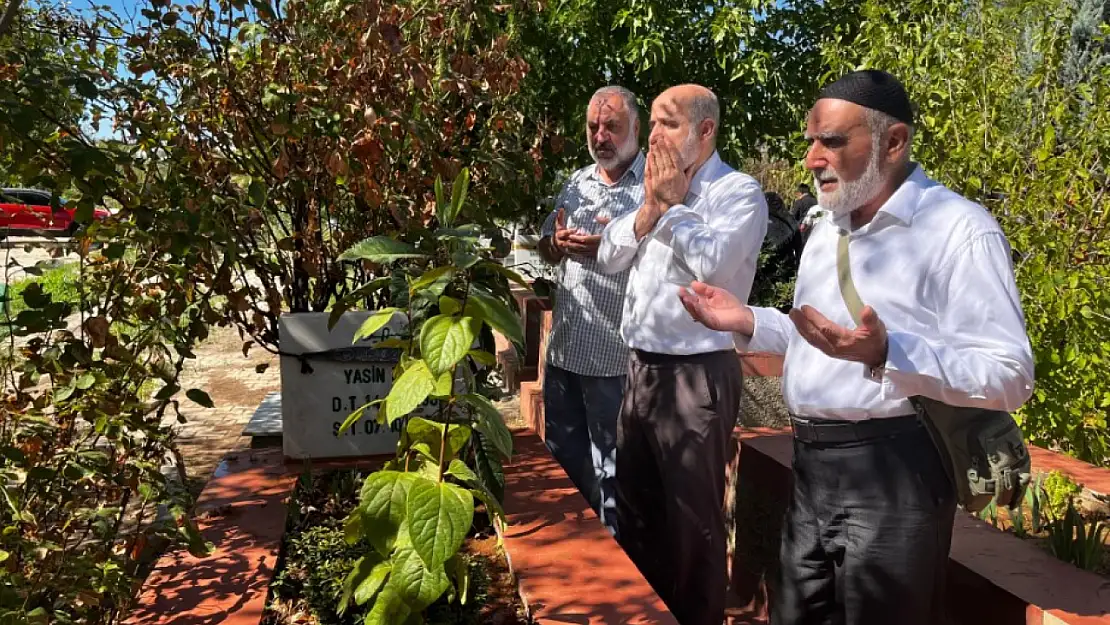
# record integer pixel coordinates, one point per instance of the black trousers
(673, 438)
(867, 533)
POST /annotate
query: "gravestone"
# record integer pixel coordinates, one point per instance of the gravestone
(324, 378)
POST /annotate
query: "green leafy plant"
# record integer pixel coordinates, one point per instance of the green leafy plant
(1059, 490)
(1078, 541)
(417, 510)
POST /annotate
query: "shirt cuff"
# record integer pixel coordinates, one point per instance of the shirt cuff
(899, 377)
(767, 335)
(624, 232)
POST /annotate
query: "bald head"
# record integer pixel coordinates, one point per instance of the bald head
(697, 103)
(689, 117)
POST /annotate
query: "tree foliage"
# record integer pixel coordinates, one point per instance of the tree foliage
(760, 57)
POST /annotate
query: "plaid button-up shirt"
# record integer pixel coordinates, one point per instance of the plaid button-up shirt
(586, 318)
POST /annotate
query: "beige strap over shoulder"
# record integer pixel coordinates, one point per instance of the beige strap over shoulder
(844, 276)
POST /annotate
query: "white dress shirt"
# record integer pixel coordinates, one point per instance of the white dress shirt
(937, 269)
(714, 236)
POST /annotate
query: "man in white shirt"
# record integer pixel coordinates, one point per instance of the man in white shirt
(869, 526)
(701, 220)
(586, 358)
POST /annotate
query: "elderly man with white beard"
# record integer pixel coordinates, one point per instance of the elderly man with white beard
(701, 220)
(586, 359)
(869, 523)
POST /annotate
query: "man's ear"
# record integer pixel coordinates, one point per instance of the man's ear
(707, 129)
(897, 142)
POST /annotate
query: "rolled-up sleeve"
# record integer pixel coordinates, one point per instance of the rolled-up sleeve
(982, 356)
(727, 240)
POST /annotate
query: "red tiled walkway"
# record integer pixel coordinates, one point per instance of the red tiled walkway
(230, 586)
(570, 568)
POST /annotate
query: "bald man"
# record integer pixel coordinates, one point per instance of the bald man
(700, 220)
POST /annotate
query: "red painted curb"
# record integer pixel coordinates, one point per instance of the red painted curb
(569, 567)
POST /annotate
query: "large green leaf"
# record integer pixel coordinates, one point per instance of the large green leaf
(256, 193)
(200, 397)
(365, 580)
(429, 277)
(505, 271)
(449, 305)
(413, 387)
(416, 582)
(490, 424)
(390, 608)
(444, 340)
(380, 249)
(487, 464)
(465, 232)
(483, 357)
(444, 385)
(422, 430)
(383, 502)
(482, 304)
(352, 527)
(438, 517)
(441, 201)
(458, 195)
(374, 322)
(464, 474)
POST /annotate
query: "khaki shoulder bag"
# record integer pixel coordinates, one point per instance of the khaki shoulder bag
(982, 450)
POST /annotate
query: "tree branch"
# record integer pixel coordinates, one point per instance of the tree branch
(9, 15)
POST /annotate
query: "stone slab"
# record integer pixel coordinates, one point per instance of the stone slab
(570, 569)
(324, 378)
(266, 419)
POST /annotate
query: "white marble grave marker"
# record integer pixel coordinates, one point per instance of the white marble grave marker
(324, 378)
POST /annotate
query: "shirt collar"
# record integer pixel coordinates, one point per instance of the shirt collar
(905, 201)
(903, 204)
(705, 174)
(636, 169)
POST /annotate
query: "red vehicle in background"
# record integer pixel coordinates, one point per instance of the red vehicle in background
(28, 211)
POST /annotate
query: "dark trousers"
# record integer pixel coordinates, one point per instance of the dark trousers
(673, 438)
(580, 430)
(867, 533)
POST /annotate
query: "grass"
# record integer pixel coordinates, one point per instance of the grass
(60, 283)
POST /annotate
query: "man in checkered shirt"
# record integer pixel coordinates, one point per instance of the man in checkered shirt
(586, 356)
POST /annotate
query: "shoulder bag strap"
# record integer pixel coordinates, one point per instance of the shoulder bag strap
(844, 277)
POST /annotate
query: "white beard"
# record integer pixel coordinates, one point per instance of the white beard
(625, 154)
(849, 196)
